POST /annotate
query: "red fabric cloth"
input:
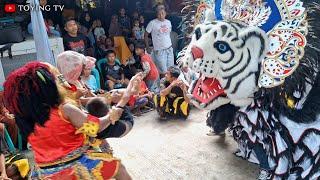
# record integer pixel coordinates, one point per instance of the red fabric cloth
(154, 73)
(143, 90)
(55, 140)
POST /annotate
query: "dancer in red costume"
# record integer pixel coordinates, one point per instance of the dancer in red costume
(59, 131)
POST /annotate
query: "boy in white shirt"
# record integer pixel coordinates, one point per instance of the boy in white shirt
(160, 29)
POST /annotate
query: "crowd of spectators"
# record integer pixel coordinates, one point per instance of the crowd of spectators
(127, 46)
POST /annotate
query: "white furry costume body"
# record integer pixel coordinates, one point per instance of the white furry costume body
(259, 66)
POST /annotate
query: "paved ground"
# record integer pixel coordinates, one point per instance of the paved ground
(179, 150)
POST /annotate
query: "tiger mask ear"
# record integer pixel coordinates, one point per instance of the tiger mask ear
(209, 16)
(256, 41)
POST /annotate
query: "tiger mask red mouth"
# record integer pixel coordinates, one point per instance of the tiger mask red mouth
(207, 90)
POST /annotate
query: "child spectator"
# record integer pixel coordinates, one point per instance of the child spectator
(87, 22)
(142, 21)
(104, 45)
(51, 30)
(115, 28)
(88, 79)
(125, 22)
(135, 15)
(137, 60)
(137, 102)
(101, 42)
(133, 64)
(109, 44)
(99, 107)
(150, 70)
(73, 40)
(138, 31)
(114, 73)
(99, 30)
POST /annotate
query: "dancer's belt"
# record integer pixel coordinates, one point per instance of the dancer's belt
(60, 164)
(71, 157)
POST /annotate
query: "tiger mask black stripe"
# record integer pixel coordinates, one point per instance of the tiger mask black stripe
(228, 65)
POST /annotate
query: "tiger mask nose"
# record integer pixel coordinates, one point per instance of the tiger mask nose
(197, 52)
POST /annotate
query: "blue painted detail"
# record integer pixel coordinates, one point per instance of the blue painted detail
(217, 10)
(273, 20)
(89, 163)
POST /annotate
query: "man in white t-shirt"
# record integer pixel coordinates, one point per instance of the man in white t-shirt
(160, 29)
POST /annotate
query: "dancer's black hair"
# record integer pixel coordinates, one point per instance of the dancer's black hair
(30, 93)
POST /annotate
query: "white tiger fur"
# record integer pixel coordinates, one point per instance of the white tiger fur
(248, 46)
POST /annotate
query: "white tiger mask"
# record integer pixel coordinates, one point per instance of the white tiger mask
(228, 56)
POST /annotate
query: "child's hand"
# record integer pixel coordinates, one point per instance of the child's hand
(4, 176)
(82, 92)
(150, 94)
(9, 116)
(115, 114)
(134, 85)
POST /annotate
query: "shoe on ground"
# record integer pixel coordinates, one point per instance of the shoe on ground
(264, 175)
(213, 133)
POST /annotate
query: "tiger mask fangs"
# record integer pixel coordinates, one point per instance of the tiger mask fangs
(228, 67)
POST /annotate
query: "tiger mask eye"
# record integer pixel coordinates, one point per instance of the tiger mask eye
(222, 47)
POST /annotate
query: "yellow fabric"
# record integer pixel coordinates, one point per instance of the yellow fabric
(101, 156)
(290, 103)
(175, 104)
(162, 100)
(155, 100)
(97, 171)
(122, 50)
(90, 129)
(82, 172)
(167, 108)
(184, 108)
(95, 143)
(23, 167)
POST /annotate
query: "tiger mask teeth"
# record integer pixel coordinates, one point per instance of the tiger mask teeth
(206, 90)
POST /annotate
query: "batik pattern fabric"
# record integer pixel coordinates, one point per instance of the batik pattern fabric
(293, 149)
(70, 154)
(90, 165)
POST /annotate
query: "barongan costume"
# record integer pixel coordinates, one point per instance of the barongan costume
(259, 62)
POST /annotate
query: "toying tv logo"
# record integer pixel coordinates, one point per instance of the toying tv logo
(29, 7)
(10, 8)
